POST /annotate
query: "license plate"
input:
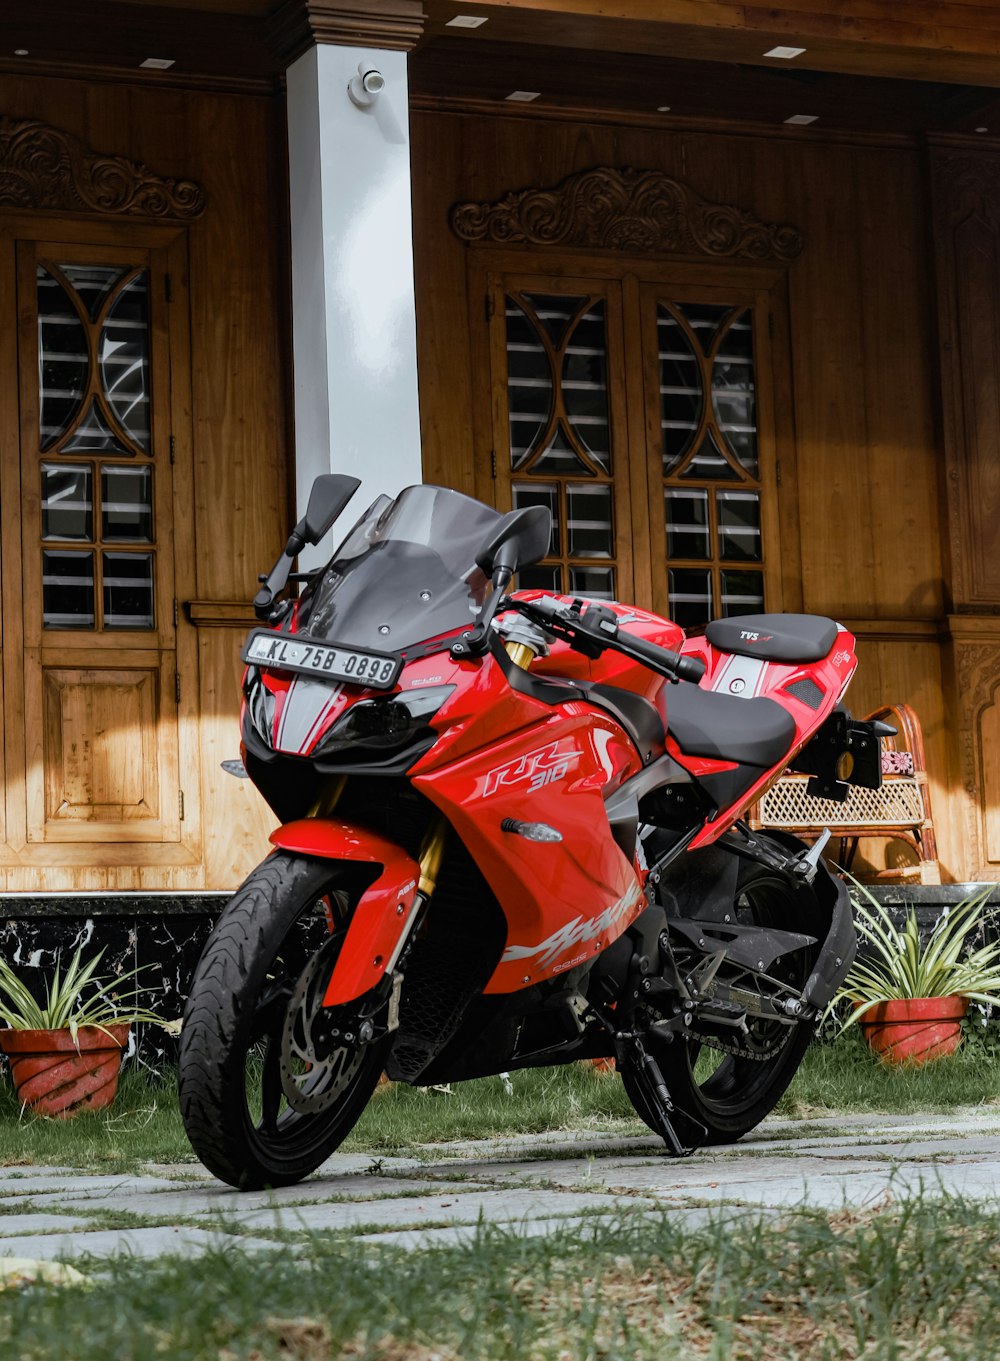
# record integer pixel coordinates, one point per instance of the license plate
(325, 661)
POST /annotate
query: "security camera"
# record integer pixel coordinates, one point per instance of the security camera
(365, 87)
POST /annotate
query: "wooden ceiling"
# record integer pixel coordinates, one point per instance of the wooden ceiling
(876, 66)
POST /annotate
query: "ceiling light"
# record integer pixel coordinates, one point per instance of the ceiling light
(20, 51)
(157, 63)
(663, 108)
(467, 21)
(522, 96)
(982, 129)
(787, 53)
(801, 119)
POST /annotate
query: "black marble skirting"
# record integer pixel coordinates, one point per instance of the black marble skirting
(163, 935)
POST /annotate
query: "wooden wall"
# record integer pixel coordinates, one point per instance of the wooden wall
(866, 492)
(231, 397)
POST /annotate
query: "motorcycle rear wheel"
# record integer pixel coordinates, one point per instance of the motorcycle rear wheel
(257, 1112)
(730, 1095)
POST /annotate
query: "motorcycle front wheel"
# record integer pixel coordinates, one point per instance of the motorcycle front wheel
(258, 1106)
(727, 1093)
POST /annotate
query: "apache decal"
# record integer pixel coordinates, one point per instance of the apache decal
(576, 932)
(537, 769)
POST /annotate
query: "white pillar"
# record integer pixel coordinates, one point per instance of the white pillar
(353, 315)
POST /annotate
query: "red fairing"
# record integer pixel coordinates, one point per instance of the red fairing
(381, 918)
(566, 900)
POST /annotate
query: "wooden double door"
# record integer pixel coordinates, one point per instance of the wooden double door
(94, 543)
(640, 404)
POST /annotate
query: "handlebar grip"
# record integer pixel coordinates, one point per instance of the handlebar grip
(691, 669)
(663, 659)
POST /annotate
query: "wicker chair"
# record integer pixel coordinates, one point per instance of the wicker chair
(900, 810)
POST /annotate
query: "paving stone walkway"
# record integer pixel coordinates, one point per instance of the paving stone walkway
(531, 1183)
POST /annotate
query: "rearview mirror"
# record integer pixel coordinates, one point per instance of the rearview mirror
(329, 495)
(520, 539)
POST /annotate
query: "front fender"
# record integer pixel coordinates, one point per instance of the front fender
(380, 922)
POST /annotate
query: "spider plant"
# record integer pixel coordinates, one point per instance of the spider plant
(897, 966)
(72, 999)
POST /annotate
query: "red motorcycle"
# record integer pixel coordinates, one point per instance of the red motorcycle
(510, 838)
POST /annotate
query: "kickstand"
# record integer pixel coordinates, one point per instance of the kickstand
(681, 1132)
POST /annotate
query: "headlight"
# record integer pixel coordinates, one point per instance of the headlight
(385, 724)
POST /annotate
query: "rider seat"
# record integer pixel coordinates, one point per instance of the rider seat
(774, 637)
(756, 732)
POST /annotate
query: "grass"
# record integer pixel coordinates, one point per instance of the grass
(908, 1281)
(144, 1125)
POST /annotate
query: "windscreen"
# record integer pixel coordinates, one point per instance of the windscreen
(406, 572)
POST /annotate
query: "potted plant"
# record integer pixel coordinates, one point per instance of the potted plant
(909, 998)
(65, 1056)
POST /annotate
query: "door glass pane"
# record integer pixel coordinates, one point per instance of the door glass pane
(598, 583)
(94, 436)
(585, 385)
(554, 311)
(529, 384)
(589, 520)
(733, 392)
(127, 503)
(128, 590)
(67, 590)
(560, 458)
(124, 361)
(66, 502)
(687, 523)
(738, 515)
(742, 592)
(681, 389)
(540, 578)
(704, 319)
(709, 463)
(63, 362)
(690, 596)
(540, 494)
(94, 283)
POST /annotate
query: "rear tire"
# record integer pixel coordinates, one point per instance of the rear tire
(256, 1114)
(727, 1094)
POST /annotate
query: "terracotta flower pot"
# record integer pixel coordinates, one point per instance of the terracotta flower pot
(53, 1077)
(915, 1030)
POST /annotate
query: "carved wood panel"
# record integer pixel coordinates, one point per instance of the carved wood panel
(639, 211)
(100, 746)
(967, 221)
(45, 167)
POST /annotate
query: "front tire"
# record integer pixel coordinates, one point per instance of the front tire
(727, 1094)
(258, 1112)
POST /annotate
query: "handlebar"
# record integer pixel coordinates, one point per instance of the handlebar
(596, 627)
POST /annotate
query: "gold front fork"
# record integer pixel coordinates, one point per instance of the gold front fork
(328, 797)
(431, 855)
(521, 654)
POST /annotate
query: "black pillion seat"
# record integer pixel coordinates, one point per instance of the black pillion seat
(774, 637)
(756, 732)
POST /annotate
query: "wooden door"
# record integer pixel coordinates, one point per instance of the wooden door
(91, 707)
(637, 404)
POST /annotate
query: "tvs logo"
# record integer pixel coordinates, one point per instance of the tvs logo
(748, 636)
(537, 769)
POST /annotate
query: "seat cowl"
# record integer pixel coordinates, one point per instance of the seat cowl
(774, 637)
